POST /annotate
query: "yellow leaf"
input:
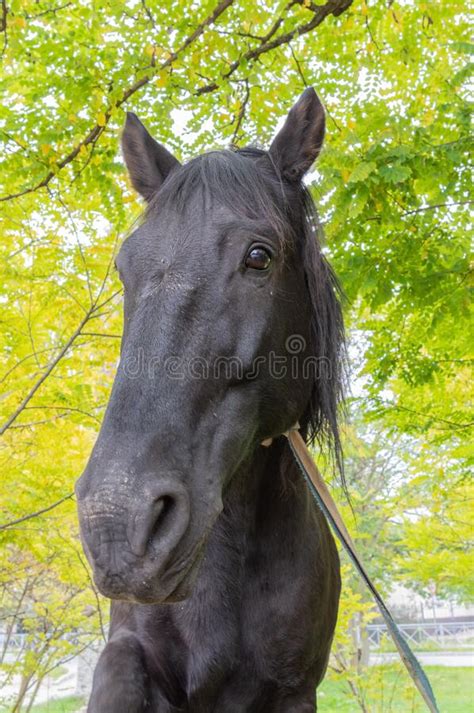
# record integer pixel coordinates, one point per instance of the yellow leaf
(101, 119)
(195, 59)
(397, 20)
(161, 80)
(45, 149)
(428, 117)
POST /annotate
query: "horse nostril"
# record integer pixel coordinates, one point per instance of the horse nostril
(162, 511)
(160, 523)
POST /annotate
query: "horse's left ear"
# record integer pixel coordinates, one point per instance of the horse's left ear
(299, 142)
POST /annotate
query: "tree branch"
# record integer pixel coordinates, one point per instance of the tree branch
(98, 130)
(148, 13)
(241, 114)
(48, 11)
(320, 12)
(90, 314)
(438, 205)
(3, 24)
(424, 208)
(427, 416)
(12, 523)
(33, 355)
(46, 373)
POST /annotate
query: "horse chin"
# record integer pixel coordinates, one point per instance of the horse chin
(184, 588)
(140, 593)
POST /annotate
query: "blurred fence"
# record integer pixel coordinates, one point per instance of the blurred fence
(442, 633)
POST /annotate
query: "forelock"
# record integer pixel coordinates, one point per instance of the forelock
(243, 180)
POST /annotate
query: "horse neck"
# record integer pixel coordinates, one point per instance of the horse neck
(261, 496)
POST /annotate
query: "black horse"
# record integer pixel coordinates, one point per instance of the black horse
(195, 519)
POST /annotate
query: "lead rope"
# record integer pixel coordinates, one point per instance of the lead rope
(321, 494)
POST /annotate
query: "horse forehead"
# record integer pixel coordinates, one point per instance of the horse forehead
(183, 249)
(179, 283)
(170, 229)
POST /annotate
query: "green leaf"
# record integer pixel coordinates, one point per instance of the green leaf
(362, 171)
(395, 172)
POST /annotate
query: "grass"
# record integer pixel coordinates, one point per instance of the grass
(58, 672)
(71, 704)
(453, 688)
(387, 645)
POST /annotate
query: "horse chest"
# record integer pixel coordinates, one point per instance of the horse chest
(258, 635)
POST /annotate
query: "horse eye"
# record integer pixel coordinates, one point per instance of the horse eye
(258, 258)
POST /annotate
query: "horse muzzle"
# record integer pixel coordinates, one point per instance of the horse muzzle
(132, 536)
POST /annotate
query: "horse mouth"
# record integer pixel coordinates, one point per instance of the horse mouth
(172, 586)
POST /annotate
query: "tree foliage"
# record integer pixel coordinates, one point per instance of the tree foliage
(392, 185)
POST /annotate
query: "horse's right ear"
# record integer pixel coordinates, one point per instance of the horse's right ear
(147, 161)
